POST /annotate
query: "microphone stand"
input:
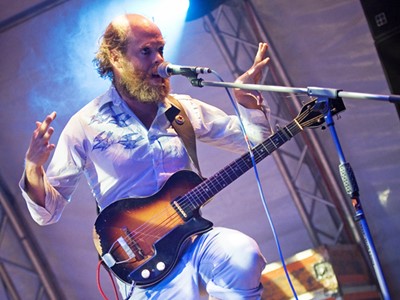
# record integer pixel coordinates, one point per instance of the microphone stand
(324, 95)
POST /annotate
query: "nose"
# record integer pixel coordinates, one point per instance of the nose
(159, 58)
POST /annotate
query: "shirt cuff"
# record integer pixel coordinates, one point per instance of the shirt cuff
(43, 215)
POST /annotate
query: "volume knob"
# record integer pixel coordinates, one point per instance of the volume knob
(145, 274)
(160, 266)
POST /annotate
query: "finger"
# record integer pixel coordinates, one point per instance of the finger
(259, 68)
(51, 147)
(262, 49)
(44, 126)
(263, 63)
(258, 56)
(48, 134)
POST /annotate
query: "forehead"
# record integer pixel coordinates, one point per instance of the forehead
(145, 34)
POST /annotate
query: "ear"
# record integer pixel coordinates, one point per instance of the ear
(115, 58)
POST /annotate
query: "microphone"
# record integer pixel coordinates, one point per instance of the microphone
(166, 69)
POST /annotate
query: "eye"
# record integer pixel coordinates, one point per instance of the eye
(161, 51)
(145, 51)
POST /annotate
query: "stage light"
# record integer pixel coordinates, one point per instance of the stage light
(199, 8)
(168, 15)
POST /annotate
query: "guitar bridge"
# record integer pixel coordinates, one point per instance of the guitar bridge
(110, 261)
(130, 250)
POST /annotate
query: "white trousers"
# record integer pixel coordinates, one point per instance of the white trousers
(222, 263)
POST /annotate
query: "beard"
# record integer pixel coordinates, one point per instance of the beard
(136, 84)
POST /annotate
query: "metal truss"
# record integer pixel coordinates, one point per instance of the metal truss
(24, 272)
(313, 186)
(28, 13)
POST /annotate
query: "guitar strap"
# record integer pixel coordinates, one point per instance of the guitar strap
(181, 123)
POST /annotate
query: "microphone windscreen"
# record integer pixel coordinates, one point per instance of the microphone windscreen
(162, 70)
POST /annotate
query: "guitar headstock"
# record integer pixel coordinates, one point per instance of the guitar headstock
(313, 112)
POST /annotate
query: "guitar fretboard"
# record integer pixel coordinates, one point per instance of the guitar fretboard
(203, 192)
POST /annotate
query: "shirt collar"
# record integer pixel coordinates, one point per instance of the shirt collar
(116, 99)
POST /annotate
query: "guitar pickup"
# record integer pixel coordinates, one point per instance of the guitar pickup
(131, 241)
(181, 212)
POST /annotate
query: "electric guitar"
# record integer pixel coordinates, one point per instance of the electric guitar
(141, 239)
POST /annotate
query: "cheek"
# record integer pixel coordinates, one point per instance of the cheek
(140, 63)
(143, 65)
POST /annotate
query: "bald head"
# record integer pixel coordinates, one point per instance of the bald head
(134, 25)
(128, 19)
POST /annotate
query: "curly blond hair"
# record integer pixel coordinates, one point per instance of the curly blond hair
(114, 38)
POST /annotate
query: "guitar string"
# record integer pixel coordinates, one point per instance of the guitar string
(265, 146)
(241, 164)
(160, 228)
(133, 244)
(197, 191)
(136, 235)
(227, 172)
(154, 231)
(157, 231)
(230, 173)
(143, 228)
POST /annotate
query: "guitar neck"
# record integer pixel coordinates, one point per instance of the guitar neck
(203, 192)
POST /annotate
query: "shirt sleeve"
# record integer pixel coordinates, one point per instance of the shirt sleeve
(60, 180)
(215, 127)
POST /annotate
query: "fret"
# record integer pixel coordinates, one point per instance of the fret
(293, 129)
(287, 133)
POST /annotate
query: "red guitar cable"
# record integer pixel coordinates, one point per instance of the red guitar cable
(100, 263)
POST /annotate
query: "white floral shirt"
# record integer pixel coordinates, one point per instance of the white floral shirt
(121, 158)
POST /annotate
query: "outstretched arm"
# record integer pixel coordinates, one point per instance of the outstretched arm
(37, 155)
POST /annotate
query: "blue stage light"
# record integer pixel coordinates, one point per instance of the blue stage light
(199, 8)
